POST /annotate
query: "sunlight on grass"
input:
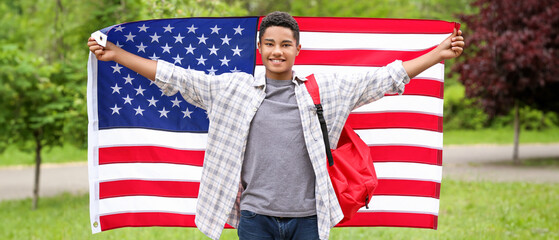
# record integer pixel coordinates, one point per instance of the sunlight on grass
(468, 210)
(66, 153)
(499, 136)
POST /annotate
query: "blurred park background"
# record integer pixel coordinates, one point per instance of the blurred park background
(501, 91)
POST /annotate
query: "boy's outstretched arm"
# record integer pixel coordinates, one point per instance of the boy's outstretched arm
(451, 47)
(143, 66)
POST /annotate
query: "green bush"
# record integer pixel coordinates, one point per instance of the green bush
(530, 119)
(462, 113)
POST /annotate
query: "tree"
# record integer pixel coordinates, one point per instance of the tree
(33, 106)
(512, 57)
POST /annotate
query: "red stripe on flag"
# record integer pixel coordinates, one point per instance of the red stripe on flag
(407, 188)
(395, 120)
(407, 154)
(367, 58)
(391, 219)
(123, 188)
(148, 188)
(372, 25)
(150, 154)
(147, 219)
(424, 87)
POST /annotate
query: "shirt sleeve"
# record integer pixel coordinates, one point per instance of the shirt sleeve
(366, 87)
(196, 87)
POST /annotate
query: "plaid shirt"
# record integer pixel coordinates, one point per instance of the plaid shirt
(231, 101)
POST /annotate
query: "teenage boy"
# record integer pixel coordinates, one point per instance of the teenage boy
(265, 165)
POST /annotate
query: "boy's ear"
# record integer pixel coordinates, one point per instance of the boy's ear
(258, 46)
(298, 49)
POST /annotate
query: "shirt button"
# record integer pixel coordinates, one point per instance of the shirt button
(255, 109)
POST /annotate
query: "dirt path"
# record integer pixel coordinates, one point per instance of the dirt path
(492, 163)
(459, 162)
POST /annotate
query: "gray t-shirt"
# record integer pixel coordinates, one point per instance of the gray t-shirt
(277, 173)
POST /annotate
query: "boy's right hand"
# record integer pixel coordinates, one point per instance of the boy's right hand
(107, 53)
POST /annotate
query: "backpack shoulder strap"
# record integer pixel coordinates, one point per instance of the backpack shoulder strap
(312, 87)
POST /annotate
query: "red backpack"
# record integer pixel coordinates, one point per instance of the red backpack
(350, 165)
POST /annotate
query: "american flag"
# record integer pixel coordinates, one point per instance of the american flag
(146, 149)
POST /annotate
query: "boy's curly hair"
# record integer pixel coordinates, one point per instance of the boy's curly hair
(281, 19)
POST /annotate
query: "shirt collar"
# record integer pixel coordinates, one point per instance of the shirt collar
(260, 78)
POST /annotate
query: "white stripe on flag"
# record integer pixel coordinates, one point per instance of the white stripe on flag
(409, 171)
(403, 204)
(188, 205)
(149, 171)
(405, 137)
(369, 41)
(175, 172)
(147, 204)
(435, 72)
(148, 137)
(405, 103)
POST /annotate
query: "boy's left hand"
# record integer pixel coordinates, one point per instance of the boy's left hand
(452, 46)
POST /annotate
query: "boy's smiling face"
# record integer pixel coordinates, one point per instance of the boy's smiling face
(278, 48)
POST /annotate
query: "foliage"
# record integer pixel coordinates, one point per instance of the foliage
(499, 136)
(513, 55)
(68, 152)
(31, 103)
(192, 8)
(468, 210)
(461, 113)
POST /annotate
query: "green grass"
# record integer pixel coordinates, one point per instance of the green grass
(66, 153)
(548, 162)
(469, 210)
(499, 136)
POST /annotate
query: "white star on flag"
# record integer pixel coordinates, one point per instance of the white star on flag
(169, 28)
(115, 110)
(128, 79)
(237, 51)
(212, 71)
(116, 88)
(166, 48)
(201, 60)
(224, 61)
(141, 47)
(186, 113)
(119, 28)
(154, 57)
(239, 30)
(178, 38)
(176, 102)
(116, 68)
(139, 90)
(225, 40)
(215, 30)
(143, 28)
(163, 113)
(202, 39)
(139, 110)
(153, 102)
(128, 99)
(192, 29)
(213, 50)
(154, 37)
(190, 49)
(130, 37)
(178, 59)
